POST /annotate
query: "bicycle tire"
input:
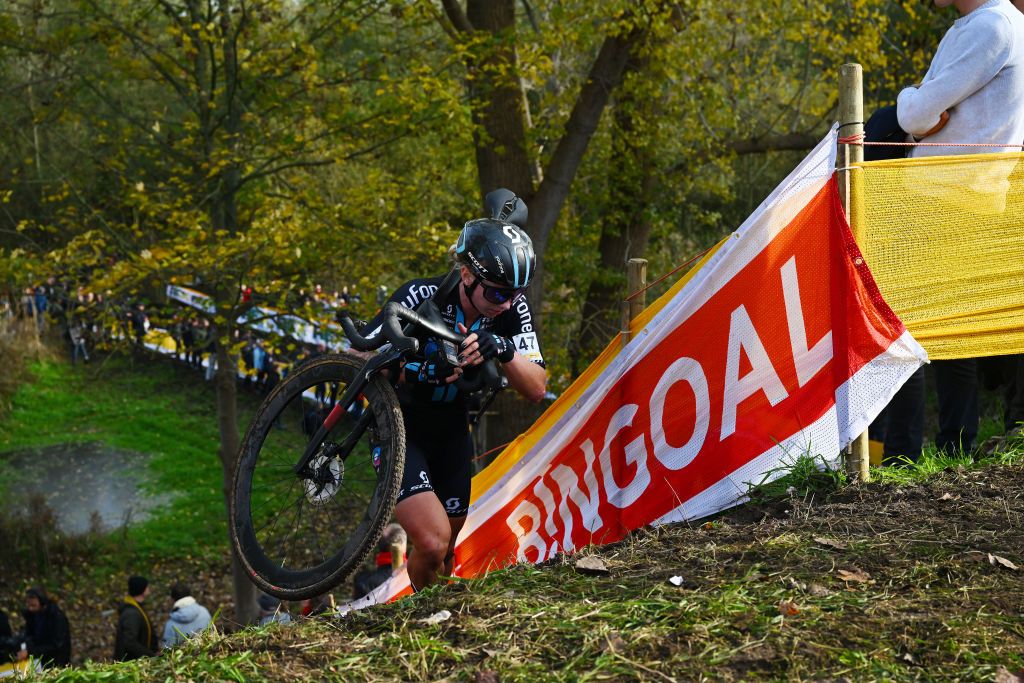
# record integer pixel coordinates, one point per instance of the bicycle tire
(296, 573)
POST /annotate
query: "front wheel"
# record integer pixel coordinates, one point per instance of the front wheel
(299, 535)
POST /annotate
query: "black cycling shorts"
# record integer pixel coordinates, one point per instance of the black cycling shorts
(438, 456)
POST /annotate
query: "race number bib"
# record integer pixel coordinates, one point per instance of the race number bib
(527, 346)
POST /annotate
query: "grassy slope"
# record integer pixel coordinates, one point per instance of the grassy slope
(763, 599)
(147, 407)
(885, 581)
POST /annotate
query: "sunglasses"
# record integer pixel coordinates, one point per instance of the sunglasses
(498, 295)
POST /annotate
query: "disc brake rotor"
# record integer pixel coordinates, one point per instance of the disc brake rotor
(325, 480)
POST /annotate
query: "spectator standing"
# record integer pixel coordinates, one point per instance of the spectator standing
(259, 363)
(47, 632)
(973, 92)
(1014, 393)
(188, 339)
(42, 302)
(135, 637)
(7, 642)
(187, 617)
(271, 612)
(139, 322)
(77, 332)
(210, 346)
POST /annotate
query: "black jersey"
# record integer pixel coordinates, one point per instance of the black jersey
(516, 324)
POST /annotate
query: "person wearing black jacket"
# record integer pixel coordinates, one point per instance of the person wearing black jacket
(47, 633)
(135, 636)
(7, 642)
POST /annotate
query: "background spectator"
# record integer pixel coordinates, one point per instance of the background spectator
(77, 332)
(187, 616)
(8, 645)
(47, 632)
(135, 637)
(271, 612)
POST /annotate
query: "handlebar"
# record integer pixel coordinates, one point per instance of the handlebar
(392, 332)
(402, 341)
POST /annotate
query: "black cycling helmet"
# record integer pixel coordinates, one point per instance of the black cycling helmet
(498, 252)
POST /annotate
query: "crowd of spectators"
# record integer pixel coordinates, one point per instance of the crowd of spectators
(88, 321)
(46, 635)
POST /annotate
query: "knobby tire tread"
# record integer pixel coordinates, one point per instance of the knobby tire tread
(386, 401)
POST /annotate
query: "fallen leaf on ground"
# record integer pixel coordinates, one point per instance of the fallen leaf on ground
(788, 608)
(948, 496)
(831, 543)
(1004, 675)
(1002, 561)
(857, 575)
(816, 590)
(591, 564)
(485, 676)
(437, 618)
(613, 642)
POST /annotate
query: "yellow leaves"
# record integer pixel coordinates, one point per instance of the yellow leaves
(140, 186)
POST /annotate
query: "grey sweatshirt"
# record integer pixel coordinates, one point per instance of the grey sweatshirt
(977, 75)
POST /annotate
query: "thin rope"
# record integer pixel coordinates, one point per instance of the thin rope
(858, 139)
(666, 275)
(486, 453)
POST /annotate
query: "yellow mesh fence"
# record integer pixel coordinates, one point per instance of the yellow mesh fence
(944, 237)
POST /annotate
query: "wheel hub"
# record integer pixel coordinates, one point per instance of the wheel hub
(326, 475)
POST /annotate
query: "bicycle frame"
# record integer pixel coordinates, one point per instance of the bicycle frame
(426, 320)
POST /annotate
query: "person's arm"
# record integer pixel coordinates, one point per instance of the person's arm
(526, 377)
(983, 51)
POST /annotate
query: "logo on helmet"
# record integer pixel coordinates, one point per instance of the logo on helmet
(479, 266)
(512, 234)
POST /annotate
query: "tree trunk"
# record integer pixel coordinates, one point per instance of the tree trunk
(625, 224)
(227, 423)
(496, 100)
(605, 75)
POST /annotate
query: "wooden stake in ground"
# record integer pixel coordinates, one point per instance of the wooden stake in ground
(636, 280)
(851, 121)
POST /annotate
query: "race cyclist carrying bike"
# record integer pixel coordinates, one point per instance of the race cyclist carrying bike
(496, 263)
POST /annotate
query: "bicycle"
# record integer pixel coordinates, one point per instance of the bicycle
(309, 504)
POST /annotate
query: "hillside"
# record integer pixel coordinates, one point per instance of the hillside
(893, 581)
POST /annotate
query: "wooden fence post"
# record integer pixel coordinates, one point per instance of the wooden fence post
(851, 121)
(636, 280)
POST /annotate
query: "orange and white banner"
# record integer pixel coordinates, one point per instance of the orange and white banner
(778, 345)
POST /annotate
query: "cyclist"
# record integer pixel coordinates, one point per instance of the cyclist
(496, 263)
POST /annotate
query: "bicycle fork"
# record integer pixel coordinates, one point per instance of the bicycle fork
(351, 395)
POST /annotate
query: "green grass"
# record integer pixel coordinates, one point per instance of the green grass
(150, 407)
(932, 608)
